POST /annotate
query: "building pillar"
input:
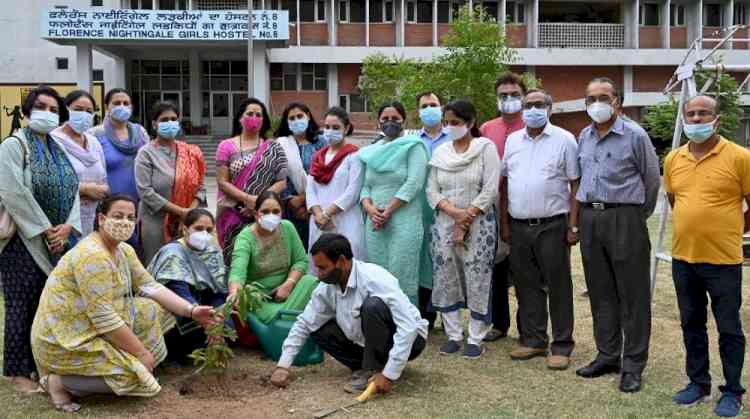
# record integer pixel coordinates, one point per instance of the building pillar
(84, 66)
(665, 24)
(261, 87)
(119, 72)
(728, 20)
(332, 19)
(502, 15)
(627, 82)
(694, 21)
(434, 23)
(299, 26)
(400, 17)
(532, 24)
(196, 98)
(630, 12)
(333, 85)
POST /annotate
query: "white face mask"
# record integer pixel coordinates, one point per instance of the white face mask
(456, 132)
(510, 105)
(43, 122)
(269, 222)
(600, 112)
(199, 240)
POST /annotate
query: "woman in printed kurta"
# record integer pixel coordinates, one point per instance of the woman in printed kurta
(334, 185)
(86, 154)
(462, 188)
(39, 190)
(120, 141)
(102, 317)
(246, 165)
(300, 137)
(169, 175)
(193, 268)
(394, 200)
(270, 254)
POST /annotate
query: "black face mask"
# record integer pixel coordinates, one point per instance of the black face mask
(392, 129)
(332, 278)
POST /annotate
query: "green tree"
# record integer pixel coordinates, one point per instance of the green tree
(476, 53)
(660, 119)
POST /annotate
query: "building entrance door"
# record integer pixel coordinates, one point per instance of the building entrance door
(221, 114)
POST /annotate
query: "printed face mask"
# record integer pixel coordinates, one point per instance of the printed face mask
(43, 122)
(251, 123)
(510, 105)
(120, 230)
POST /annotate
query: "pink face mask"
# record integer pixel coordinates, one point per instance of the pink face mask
(251, 123)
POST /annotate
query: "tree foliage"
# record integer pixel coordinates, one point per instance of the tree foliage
(476, 53)
(660, 119)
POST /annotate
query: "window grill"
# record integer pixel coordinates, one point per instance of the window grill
(581, 35)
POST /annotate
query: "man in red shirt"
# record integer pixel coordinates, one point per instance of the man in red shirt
(510, 90)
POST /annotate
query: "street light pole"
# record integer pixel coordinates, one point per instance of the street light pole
(250, 53)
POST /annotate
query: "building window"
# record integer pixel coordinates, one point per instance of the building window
(491, 8)
(284, 77)
(444, 15)
(312, 10)
(291, 7)
(424, 11)
(173, 4)
(381, 11)
(97, 75)
(515, 12)
(411, 11)
(676, 15)
(62, 63)
(97, 3)
(142, 4)
(314, 77)
(740, 14)
(343, 11)
(648, 14)
(712, 15)
(353, 103)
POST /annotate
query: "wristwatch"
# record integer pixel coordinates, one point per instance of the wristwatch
(573, 229)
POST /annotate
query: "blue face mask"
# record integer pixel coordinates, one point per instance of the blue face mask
(699, 133)
(299, 126)
(169, 129)
(333, 136)
(534, 117)
(431, 116)
(80, 121)
(121, 113)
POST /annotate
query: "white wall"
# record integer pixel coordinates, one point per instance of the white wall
(27, 58)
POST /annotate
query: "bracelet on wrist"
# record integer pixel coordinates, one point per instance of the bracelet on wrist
(190, 309)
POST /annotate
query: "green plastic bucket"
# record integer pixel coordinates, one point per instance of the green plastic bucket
(272, 335)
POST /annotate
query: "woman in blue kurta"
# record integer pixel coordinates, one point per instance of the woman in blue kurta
(394, 199)
(121, 140)
(301, 138)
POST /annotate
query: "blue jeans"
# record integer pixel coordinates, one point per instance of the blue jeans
(723, 283)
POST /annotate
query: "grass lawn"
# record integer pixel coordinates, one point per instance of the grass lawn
(433, 385)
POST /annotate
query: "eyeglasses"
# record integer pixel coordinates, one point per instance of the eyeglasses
(601, 98)
(537, 105)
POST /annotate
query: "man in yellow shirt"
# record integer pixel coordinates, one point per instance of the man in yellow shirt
(706, 181)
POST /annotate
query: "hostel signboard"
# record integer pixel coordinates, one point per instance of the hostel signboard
(163, 25)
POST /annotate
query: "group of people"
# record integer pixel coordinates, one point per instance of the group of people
(368, 244)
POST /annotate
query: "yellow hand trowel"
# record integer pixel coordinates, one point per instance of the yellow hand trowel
(369, 392)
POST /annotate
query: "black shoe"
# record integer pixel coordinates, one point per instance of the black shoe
(597, 369)
(631, 382)
(494, 335)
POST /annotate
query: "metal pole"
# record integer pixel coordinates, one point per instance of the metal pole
(250, 52)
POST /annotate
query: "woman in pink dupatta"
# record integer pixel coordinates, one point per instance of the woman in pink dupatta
(246, 165)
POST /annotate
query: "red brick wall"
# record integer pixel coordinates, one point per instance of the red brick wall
(292, 35)
(568, 83)
(314, 34)
(316, 100)
(649, 37)
(651, 78)
(443, 29)
(350, 34)
(678, 37)
(362, 121)
(348, 78)
(516, 35)
(744, 34)
(382, 35)
(418, 35)
(708, 32)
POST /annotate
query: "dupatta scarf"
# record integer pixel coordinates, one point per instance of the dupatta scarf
(190, 168)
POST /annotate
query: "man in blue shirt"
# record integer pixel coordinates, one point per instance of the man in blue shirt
(430, 110)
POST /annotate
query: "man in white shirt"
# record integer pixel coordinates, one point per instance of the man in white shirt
(359, 315)
(541, 167)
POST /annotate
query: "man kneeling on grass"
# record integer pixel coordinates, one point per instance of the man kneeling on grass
(359, 315)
